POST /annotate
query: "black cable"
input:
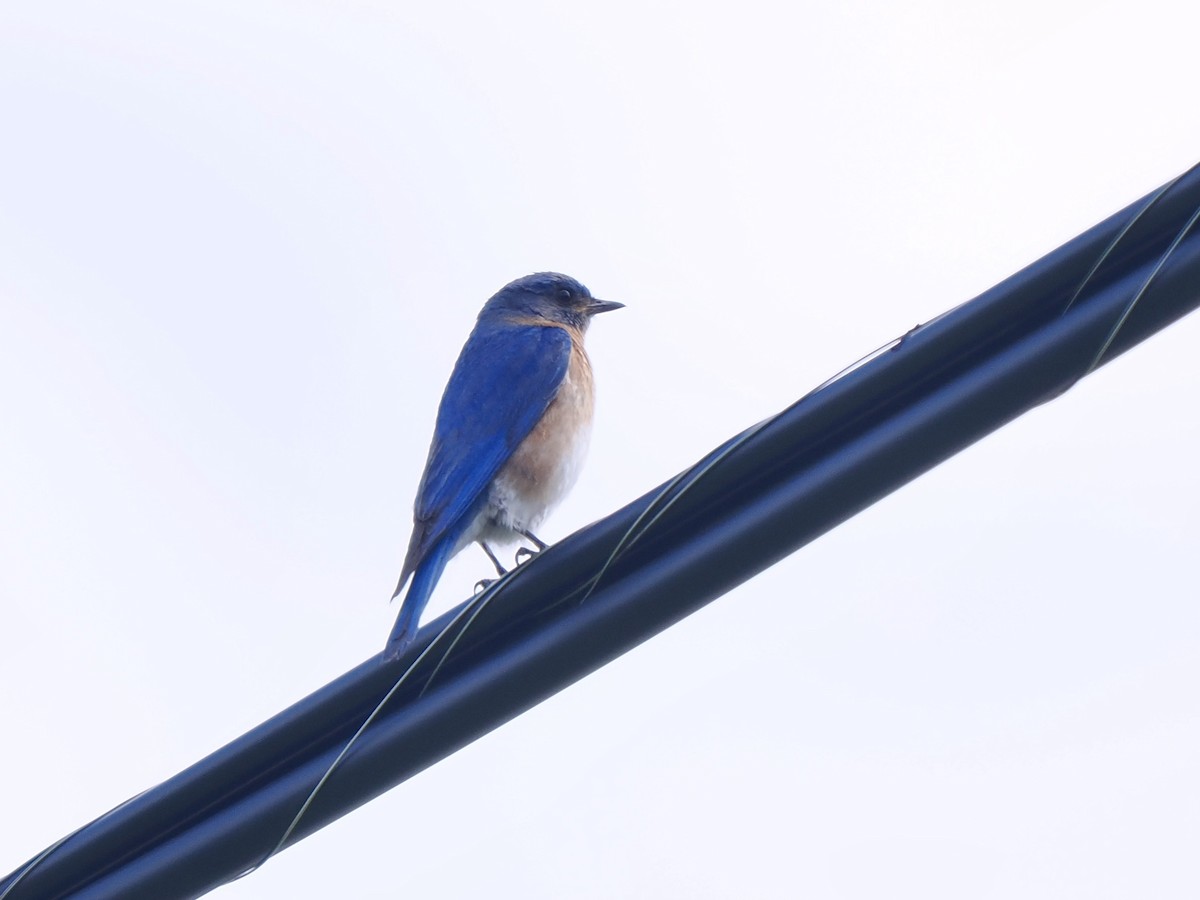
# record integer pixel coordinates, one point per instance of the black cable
(751, 502)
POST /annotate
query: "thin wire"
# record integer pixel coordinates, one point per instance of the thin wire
(1128, 311)
(37, 860)
(678, 486)
(41, 857)
(1120, 236)
(474, 606)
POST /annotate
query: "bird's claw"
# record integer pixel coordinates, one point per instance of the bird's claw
(525, 553)
(483, 584)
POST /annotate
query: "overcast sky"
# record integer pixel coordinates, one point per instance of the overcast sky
(241, 244)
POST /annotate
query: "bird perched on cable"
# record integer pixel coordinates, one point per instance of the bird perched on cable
(511, 433)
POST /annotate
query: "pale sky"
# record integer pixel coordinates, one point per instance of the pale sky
(241, 244)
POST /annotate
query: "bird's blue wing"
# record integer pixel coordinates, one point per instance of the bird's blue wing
(505, 378)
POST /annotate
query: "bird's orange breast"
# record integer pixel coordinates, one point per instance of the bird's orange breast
(546, 464)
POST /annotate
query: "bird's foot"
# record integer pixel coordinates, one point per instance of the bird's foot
(483, 584)
(533, 539)
(524, 553)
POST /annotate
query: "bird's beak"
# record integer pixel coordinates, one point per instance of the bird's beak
(596, 307)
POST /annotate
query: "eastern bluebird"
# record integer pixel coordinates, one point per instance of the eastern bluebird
(511, 432)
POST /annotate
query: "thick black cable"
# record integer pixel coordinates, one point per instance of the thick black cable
(750, 503)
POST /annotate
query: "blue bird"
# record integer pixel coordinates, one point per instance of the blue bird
(512, 430)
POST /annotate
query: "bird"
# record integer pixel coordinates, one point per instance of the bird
(510, 437)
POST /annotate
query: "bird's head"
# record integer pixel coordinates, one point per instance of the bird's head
(555, 298)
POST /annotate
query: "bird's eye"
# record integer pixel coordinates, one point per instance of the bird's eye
(564, 295)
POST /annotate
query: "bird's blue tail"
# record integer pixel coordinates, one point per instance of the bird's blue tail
(419, 589)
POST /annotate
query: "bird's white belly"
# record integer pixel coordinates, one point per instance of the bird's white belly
(518, 503)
